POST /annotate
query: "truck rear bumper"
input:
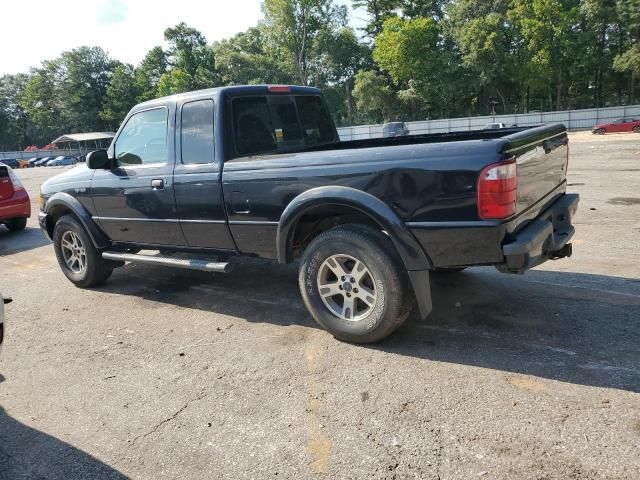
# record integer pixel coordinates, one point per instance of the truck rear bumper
(545, 238)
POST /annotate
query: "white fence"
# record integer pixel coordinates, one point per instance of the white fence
(44, 153)
(573, 119)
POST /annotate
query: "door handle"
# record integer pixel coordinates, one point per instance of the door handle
(157, 183)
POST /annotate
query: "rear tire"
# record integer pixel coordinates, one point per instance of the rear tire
(79, 259)
(354, 284)
(600, 131)
(16, 224)
(636, 129)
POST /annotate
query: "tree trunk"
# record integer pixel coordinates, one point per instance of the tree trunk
(504, 103)
(559, 92)
(347, 87)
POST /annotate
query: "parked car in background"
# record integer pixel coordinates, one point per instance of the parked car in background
(495, 126)
(42, 162)
(11, 162)
(15, 206)
(3, 302)
(32, 162)
(620, 125)
(394, 129)
(62, 160)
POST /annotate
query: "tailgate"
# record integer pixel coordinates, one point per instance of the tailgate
(6, 186)
(541, 155)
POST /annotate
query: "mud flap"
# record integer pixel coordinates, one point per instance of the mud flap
(422, 290)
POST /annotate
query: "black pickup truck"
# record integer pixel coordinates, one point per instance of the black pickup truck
(260, 170)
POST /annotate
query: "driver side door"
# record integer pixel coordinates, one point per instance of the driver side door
(135, 201)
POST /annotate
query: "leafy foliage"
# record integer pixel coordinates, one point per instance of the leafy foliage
(413, 59)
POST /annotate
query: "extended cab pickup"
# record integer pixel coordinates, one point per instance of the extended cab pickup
(204, 176)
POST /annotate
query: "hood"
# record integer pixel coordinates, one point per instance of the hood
(75, 176)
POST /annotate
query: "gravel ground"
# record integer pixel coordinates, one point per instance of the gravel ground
(173, 374)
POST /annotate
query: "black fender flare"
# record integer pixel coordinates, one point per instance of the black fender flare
(410, 251)
(67, 202)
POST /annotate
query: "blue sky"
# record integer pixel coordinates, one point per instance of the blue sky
(126, 29)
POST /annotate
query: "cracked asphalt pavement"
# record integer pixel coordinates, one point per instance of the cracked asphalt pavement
(167, 373)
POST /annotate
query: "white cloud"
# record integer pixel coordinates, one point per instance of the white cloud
(37, 30)
(34, 30)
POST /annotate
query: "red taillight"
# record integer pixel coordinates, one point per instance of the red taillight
(279, 89)
(497, 191)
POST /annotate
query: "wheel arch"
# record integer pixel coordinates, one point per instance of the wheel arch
(341, 202)
(60, 204)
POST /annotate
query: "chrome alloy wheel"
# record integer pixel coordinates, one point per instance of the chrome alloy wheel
(73, 251)
(347, 287)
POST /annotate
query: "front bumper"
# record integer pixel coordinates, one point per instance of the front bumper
(42, 221)
(545, 238)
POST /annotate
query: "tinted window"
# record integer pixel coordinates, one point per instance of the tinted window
(143, 139)
(317, 126)
(280, 123)
(252, 126)
(197, 132)
(285, 121)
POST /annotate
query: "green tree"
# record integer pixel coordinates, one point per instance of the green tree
(82, 77)
(342, 55)
(294, 28)
(490, 47)
(191, 56)
(549, 31)
(375, 100)
(120, 96)
(174, 81)
(629, 60)
(246, 58)
(378, 11)
(148, 73)
(39, 100)
(13, 119)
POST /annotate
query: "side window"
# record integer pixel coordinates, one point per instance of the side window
(143, 139)
(252, 126)
(197, 132)
(317, 126)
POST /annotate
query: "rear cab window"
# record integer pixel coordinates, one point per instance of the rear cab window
(269, 124)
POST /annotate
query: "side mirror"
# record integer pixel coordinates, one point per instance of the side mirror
(98, 160)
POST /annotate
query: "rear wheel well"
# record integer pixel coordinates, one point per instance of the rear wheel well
(320, 219)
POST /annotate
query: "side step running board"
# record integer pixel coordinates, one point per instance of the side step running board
(190, 264)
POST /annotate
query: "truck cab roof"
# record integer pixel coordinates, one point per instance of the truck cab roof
(233, 90)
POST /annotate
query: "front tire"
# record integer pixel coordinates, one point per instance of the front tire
(16, 224)
(354, 284)
(78, 258)
(636, 130)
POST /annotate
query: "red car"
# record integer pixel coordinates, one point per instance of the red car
(15, 206)
(620, 125)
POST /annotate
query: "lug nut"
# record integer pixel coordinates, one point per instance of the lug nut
(355, 290)
(352, 280)
(348, 294)
(343, 279)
